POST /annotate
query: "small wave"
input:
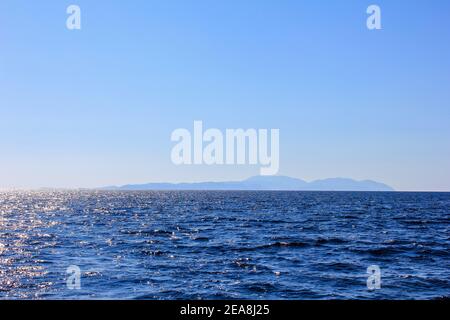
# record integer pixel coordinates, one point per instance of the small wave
(201, 239)
(281, 244)
(383, 251)
(261, 287)
(154, 253)
(322, 241)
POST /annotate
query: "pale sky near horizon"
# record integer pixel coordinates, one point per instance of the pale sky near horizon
(96, 106)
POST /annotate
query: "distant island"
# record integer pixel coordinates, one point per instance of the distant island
(267, 183)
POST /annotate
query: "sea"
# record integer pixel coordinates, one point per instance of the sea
(224, 245)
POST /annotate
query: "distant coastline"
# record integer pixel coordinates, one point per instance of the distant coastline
(265, 183)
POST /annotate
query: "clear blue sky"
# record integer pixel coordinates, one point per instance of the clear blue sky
(97, 106)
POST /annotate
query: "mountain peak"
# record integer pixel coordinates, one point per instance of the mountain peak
(268, 183)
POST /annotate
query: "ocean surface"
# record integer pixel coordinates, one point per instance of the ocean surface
(224, 245)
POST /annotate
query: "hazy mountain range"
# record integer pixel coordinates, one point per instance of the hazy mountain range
(265, 183)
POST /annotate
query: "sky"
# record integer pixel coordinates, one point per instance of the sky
(97, 106)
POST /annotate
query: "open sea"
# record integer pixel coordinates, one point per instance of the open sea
(224, 244)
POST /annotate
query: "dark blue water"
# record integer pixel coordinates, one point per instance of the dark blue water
(216, 245)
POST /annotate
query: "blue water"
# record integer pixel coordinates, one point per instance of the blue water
(217, 245)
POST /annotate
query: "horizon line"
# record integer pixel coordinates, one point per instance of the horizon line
(175, 184)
